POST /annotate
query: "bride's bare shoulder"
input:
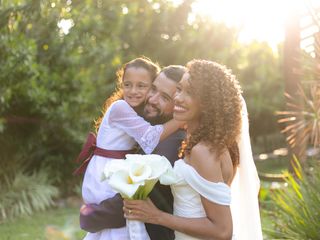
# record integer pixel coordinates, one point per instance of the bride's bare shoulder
(206, 162)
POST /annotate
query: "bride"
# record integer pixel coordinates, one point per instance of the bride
(217, 184)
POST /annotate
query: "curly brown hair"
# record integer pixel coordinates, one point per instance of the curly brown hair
(140, 62)
(219, 94)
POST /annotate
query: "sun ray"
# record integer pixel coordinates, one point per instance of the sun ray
(260, 20)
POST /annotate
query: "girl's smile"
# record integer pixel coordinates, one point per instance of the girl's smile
(136, 84)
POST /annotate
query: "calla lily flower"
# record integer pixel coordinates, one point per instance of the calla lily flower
(114, 166)
(139, 171)
(158, 164)
(122, 183)
(135, 176)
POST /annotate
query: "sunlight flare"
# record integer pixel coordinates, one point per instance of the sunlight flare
(256, 20)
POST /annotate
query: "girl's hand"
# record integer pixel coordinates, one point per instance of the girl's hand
(142, 210)
(179, 124)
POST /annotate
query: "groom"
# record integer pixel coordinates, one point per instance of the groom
(158, 110)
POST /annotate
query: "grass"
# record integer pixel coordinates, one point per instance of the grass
(63, 223)
(60, 224)
(55, 224)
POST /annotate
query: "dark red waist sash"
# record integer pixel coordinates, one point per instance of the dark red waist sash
(89, 149)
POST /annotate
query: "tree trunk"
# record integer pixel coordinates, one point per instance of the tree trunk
(292, 71)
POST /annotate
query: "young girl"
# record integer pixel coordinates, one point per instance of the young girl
(119, 130)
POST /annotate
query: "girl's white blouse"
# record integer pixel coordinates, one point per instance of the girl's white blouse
(121, 128)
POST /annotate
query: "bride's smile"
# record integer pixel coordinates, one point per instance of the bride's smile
(186, 104)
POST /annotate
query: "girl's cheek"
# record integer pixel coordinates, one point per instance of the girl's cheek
(147, 92)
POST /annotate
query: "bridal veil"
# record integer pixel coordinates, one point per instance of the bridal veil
(245, 188)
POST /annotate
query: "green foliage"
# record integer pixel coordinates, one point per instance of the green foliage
(54, 79)
(296, 207)
(45, 99)
(260, 74)
(22, 194)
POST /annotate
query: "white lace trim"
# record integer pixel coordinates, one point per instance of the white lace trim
(151, 138)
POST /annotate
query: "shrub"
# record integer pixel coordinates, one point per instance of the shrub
(22, 194)
(296, 214)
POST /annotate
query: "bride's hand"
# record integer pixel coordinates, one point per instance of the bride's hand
(142, 210)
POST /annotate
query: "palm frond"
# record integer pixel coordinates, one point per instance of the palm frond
(296, 213)
(302, 123)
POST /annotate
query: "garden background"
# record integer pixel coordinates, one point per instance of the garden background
(58, 60)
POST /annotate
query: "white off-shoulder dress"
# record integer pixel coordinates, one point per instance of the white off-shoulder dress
(187, 191)
(121, 128)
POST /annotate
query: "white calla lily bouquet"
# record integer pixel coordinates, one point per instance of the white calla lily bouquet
(134, 178)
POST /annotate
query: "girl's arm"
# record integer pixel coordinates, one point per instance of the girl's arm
(218, 221)
(170, 127)
(147, 136)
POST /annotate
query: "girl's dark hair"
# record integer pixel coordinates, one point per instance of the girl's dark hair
(140, 62)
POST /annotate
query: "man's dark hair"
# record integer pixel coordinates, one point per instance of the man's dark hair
(174, 72)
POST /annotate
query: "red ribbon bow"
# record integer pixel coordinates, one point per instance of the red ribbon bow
(89, 149)
(86, 153)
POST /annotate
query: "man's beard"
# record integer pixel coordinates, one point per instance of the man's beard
(159, 119)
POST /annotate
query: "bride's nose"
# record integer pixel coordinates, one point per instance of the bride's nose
(178, 97)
